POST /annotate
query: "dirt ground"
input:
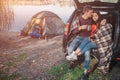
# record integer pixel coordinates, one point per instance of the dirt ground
(32, 58)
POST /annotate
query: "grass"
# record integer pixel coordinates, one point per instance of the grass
(19, 58)
(5, 71)
(62, 72)
(4, 75)
(58, 72)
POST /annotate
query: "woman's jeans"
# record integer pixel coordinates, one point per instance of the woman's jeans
(86, 45)
(74, 44)
(87, 60)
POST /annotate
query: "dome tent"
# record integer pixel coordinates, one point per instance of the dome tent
(51, 23)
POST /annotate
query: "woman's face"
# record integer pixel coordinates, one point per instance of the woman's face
(95, 17)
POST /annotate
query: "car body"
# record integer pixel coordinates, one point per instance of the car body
(110, 11)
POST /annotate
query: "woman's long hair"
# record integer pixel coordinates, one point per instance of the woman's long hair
(99, 18)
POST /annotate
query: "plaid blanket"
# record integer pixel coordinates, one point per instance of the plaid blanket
(103, 39)
(75, 23)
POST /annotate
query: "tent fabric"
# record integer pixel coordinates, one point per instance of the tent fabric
(51, 24)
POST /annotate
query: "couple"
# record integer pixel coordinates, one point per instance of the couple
(98, 37)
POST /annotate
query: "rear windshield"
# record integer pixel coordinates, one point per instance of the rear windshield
(110, 1)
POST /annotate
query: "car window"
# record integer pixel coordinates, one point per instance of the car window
(111, 1)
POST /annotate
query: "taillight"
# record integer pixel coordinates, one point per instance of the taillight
(66, 28)
(118, 59)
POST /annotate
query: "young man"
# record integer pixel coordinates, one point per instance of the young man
(84, 21)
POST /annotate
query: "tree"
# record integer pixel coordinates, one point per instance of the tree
(6, 15)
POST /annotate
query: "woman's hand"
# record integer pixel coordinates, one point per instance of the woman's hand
(103, 22)
(92, 38)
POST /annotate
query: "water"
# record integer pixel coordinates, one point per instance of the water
(23, 14)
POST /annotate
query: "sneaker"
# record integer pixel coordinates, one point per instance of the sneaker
(72, 56)
(85, 77)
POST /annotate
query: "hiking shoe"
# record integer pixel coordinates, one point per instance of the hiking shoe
(73, 64)
(72, 56)
(85, 77)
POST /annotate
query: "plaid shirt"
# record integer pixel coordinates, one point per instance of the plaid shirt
(79, 21)
(103, 39)
(75, 24)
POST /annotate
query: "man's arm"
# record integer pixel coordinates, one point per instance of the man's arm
(78, 29)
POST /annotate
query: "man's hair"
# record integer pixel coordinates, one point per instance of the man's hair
(86, 8)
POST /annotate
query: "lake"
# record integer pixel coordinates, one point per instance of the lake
(23, 14)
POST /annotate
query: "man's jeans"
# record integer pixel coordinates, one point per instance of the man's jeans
(86, 45)
(74, 44)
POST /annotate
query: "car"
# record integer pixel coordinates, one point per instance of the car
(108, 10)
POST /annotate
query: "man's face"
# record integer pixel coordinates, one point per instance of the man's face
(89, 13)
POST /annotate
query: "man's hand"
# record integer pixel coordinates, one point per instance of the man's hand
(83, 27)
(75, 31)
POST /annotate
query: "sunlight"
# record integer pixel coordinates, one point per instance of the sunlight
(7, 15)
(39, 2)
(112, 1)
